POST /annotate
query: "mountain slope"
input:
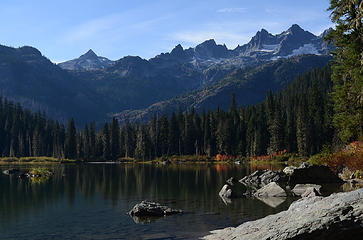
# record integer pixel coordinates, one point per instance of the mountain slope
(93, 86)
(250, 87)
(31, 79)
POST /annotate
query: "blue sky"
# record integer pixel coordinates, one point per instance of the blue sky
(65, 29)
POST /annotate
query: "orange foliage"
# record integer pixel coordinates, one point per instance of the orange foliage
(351, 157)
(268, 157)
(220, 157)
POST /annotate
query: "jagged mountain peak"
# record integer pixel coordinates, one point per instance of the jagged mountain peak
(210, 49)
(177, 50)
(87, 61)
(208, 43)
(263, 32)
(295, 28)
(297, 31)
(294, 41)
(89, 54)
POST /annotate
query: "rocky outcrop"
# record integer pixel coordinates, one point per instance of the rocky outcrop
(152, 209)
(339, 216)
(261, 178)
(290, 176)
(307, 173)
(270, 190)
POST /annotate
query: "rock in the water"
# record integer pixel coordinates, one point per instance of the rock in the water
(226, 191)
(11, 171)
(232, 189)
(152, 209)
(306, 173)
(299, 189)
(311, 192)
(339, 216)
(270, 190)
(260, 178)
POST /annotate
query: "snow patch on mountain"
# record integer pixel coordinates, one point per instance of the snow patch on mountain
(305, 49)
(269, 47)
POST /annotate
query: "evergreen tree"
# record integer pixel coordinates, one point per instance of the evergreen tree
(86, 143)
(106, 142)
(115, 139)
(140, 150)
(92, 141)
(71, 141)
(173, 137)
(348, 67)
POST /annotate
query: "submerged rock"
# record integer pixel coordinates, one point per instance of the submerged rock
(270, 190)
(272, 201)
(300, 189)
(152, 209)
(339, 216)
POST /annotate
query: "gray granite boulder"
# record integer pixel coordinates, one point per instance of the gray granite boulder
(338, 217)
(261, 178)
(152, 209)
(270, 190)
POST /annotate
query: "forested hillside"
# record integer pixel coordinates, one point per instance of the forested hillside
(298, 119)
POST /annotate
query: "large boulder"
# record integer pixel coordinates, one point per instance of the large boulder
(306, 173)
(261, 178)
(300, 189)
(339, 216)
(232, 189)
(152, 209)
(270, 190)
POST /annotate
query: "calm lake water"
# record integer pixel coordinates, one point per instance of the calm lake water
(89, 201)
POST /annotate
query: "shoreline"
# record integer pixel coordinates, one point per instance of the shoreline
(337, 216)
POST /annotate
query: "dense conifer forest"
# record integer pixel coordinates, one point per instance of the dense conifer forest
(296, 120)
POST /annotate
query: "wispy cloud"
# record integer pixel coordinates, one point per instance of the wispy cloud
(112, 26)
(92, 28)
(232, 10)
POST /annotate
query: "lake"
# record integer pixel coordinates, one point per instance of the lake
(90, 201)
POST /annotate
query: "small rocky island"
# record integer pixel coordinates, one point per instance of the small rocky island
(32, 173)
(146, 211)
(152, 209)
